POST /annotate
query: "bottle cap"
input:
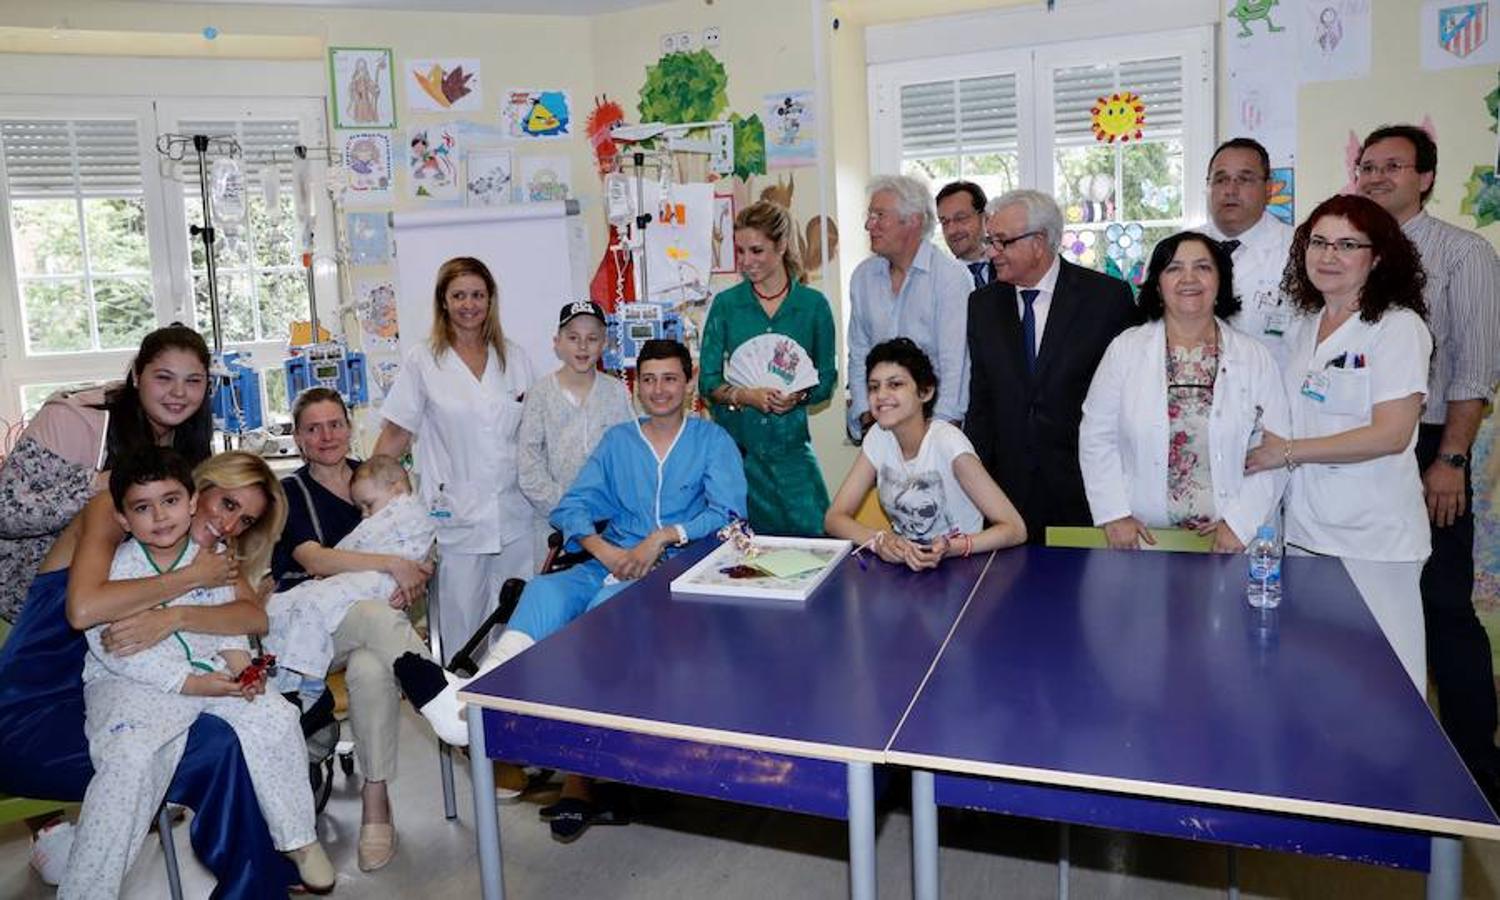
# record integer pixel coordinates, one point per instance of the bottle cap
(1266, 531)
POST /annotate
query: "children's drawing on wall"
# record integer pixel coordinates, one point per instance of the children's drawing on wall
(1281, 189)
(432, 167)
(546, 178)
(369, 238)
(382, 369)
(375, 305)
(810, 236)
(600, 128)
(1335, 39)
(791, 129)
(363, 95)
(489, 177)
(536, 114)
(1255, 13)
(1457, 34)
(684, 87)
(1119, 117)
(439, 85)
(367, 160)
(723, 237)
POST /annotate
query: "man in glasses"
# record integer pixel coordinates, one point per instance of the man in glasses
(907, 288)
(1397, 167)
(1036, 335)
(1257, 241)
(960, 210)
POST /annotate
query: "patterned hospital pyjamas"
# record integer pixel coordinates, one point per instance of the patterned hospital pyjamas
(136, 737)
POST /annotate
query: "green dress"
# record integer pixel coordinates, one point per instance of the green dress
(787, 495)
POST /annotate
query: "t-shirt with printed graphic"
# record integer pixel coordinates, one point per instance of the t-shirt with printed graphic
(921, 496)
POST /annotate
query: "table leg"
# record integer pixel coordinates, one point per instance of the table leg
(924, 836)
(1064, 857)
(486, 815)
(1445, 877)
(861, 831)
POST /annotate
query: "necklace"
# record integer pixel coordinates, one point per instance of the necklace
(767, 298)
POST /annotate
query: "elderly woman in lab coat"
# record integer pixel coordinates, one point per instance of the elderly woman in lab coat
(1175, 405)
(459, 397)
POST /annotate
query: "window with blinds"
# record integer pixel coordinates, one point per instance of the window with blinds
(79, 231)
(962, 128)
(1118, 196)
(262, 284)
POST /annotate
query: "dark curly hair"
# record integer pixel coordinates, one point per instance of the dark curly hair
(1151, 304)
(905, 353)
(1399, 279)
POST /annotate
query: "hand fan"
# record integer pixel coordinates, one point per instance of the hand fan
(774, 361)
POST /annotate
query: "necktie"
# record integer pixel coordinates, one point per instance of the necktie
(1028, 327)
(1230, 246)
(981, 272)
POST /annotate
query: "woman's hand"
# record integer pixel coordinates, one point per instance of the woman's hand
(135, 633)
(1127, 533)
(1271, 454)
(211, 568)
(1225, 540)
(767, 400)
(411, 580)
(783, 402)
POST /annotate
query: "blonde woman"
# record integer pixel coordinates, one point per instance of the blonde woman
(42, 740)
(458, 397)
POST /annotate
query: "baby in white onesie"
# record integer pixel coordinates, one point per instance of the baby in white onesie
(138, 708)
(305, 617)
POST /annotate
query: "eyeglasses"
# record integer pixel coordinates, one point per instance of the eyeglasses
(1340, 247)
(1000, 243)
(1386, 169)
(1224, 179)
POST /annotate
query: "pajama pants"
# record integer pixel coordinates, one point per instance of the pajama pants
(136, 738)
(552, 601)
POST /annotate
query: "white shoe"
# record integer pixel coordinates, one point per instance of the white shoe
(49, 851)
(446, 714)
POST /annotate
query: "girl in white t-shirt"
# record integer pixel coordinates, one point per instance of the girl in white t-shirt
(935, 492)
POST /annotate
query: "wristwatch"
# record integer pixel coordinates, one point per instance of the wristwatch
(1456, 460)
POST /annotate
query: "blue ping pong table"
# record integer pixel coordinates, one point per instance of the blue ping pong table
(787, 706)
(1139, 691)
(1126, 690)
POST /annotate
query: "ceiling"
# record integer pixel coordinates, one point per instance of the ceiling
(517, 7)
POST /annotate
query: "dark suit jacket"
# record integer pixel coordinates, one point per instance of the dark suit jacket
(1025, 426)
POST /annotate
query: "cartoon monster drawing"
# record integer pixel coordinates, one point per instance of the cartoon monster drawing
(1247, 11)
(1330, 29)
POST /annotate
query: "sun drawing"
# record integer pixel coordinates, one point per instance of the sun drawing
(1118, 117)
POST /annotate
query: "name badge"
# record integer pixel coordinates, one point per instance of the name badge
(1315, 386)
(1276, 323)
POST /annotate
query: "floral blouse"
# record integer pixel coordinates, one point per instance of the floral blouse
(1190, 397)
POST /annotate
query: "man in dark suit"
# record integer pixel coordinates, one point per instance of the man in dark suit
(1035, 337)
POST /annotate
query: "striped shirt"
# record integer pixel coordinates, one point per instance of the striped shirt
(1463, 312)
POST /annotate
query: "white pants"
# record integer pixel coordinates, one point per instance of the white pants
(468, 588)
(1393, 592)
(136, 738)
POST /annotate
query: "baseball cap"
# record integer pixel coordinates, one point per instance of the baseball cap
(571, 311)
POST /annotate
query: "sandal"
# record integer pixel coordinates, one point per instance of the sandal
(571, 817)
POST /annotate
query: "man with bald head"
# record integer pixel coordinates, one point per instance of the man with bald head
(1035, 335)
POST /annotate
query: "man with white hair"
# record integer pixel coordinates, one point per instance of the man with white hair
(1035, 336)
(908, 288)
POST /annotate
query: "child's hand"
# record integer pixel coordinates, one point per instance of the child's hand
(212, 569)
(925, 556)
(212, 684)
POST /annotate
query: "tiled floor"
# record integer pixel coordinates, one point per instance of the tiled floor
(689, 848)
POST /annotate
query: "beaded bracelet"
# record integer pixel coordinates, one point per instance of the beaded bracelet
(1286, 455)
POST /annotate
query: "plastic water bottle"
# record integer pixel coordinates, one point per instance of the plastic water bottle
(442, 508)
(1264, 551)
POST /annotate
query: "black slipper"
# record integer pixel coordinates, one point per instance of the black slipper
(571, 817)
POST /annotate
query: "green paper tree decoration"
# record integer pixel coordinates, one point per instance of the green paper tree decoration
(1483, 199)
(684, 87)
(749, 146)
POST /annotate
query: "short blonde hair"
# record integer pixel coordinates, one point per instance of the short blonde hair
(234, 469)
(441, 338)
(384, 470)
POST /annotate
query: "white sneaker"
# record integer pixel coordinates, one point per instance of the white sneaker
(445, 713)
(49, 851)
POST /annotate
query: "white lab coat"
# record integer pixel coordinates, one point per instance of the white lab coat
(1259, 263)
(466, 437)
(1123, 440)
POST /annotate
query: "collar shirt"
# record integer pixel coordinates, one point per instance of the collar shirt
(1043, 302)
(1259, 262)
(1463, 312)
(932, 309)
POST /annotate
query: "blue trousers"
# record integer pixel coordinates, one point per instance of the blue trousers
(552, 601)
(46, 755)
